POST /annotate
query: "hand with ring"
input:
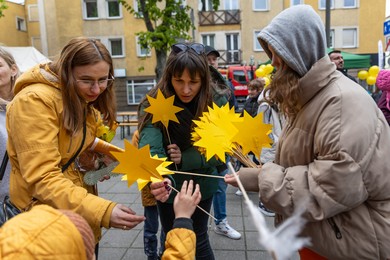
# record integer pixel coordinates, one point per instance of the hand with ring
(174, 153)
(124, 218)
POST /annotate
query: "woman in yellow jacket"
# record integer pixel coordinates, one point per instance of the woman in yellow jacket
(54, 115)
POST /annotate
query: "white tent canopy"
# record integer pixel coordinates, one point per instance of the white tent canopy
(26, 57)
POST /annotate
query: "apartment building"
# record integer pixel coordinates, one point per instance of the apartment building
(48, 25)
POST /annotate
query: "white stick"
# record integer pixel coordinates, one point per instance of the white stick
(198, 174)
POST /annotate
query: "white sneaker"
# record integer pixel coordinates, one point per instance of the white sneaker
(265, 211)
(239, 192)
(224, 229)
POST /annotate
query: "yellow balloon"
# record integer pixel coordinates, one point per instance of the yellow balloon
(371, 80)
(267, 81)
(363, 74)
(268, 69)
(262, 66)
(260, 73)
(373, 71)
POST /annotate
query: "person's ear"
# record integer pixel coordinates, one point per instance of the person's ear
(14, 70)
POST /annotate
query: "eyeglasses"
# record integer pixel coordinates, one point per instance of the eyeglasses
(89, 83)
(179, 47)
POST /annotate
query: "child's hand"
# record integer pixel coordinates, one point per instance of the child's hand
(186, 200)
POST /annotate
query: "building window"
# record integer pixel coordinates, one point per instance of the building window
(33, 15)
(256, 43)
(350, 38)
(116, 47)
(232, 51)
(297, 2)
(350, 4)
(322, 4)
(21, 24)
(141, 52)
(331, 36)
(231, 5)
(208, 39)
(137, 11)
(91, 9)
(207, 5)
(261, 5)
(114, 9)
(137, 89)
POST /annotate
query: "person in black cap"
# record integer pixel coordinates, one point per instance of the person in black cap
(219, 200)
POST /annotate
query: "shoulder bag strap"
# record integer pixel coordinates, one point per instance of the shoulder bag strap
(3, 165)
(65, 166)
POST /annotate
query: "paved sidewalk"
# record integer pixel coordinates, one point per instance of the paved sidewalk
(119, 244)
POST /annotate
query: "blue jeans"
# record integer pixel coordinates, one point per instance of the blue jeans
(219, 199)
(151, 224)
(200, 219)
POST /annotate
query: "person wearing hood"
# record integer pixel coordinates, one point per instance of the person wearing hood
(40, 234)
(54, 116)
(326, 155)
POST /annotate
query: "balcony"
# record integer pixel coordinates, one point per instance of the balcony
(223, 17)
(229, 57)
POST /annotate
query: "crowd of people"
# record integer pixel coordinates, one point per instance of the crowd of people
(322, 154)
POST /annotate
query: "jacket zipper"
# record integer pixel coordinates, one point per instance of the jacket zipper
(335, 228)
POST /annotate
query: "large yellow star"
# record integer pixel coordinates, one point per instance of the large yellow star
(138, 165)
(215, 130)
(253, 134)
(162, 109)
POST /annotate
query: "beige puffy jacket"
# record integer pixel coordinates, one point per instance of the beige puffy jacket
(335, 153)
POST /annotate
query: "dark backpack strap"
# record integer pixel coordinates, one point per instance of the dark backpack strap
(3, 165)
(65, 166)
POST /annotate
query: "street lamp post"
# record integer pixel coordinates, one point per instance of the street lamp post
(252, 63)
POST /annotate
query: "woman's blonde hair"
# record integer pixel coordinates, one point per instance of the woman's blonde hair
(196, 64)
(284, 91)
(10, 60)
(83, 51)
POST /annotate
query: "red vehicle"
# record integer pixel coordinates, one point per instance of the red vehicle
(239, 76)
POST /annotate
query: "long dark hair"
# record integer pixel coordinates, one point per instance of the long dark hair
(83, 51)
(196, 64)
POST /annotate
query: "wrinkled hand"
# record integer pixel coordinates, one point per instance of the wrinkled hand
(161, 190)
(230, 179)
(124, 218)
(174, 153)
(186, 200)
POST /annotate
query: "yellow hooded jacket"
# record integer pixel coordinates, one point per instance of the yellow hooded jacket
(38, 146)
(42, 233)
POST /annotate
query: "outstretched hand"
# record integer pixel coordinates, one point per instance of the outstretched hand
(186, 200)
(124, 218)
(230, 179)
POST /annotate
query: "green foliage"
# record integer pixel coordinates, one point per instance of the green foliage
(3, 6)
(166, 21)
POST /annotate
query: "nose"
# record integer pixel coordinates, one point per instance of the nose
(95, 87)
(186, 88)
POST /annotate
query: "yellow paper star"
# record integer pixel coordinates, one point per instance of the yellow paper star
(253, 134)
(162, 109)
(215, 130)
(138, 165)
